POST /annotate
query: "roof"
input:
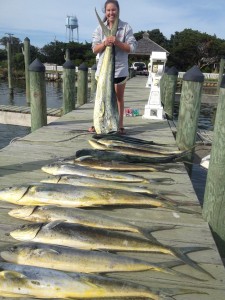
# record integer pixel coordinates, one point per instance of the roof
(146, 46)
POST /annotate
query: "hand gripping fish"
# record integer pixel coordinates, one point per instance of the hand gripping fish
(106, 116)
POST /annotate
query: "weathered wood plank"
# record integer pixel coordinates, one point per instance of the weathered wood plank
(21, 162)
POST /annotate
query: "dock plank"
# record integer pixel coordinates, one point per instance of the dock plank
(21, 162)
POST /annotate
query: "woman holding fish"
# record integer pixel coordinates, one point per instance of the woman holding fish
(113, 40)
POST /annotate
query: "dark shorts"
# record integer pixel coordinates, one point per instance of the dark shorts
(119, 80)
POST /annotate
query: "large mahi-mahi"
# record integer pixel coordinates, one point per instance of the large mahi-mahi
(106, 116)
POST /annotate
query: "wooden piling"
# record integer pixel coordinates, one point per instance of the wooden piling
(221, 72)
(26, 53)
(37, 95)
(9, 56)
(214, 198)
(93, 82)
(82, 84)
(68, 86)
(190, 102)
(170, 91)
(163, 85)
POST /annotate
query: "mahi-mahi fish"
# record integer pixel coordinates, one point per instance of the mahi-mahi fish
(71, 196)
(83, 261)
(46, 214)
(69, 169)
(106, 117)
(27, 281)
(90, 238)
(106, 154)
(158, 156)
(100, 183)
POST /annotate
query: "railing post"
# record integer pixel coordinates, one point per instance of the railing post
(162, 85)
(9, 55)
(221, 72)
(26, 54)
(93, 82)
(214, 198)
(37, 95)
(170, 91)
(68, 87)
(190, 102)
(82, 84)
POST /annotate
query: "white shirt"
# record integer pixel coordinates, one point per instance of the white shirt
(125, 35)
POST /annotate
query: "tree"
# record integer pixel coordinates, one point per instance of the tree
(191, 47)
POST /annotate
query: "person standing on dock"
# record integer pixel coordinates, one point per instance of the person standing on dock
(124, 43)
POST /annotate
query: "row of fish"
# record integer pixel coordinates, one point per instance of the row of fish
(66, 237)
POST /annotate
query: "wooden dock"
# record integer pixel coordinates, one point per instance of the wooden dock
(21, 162)
(21, 116)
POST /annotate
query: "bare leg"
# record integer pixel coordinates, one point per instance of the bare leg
(120, 88)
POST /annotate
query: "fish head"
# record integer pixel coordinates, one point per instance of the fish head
(22, 212)
(26, 232)
(13, 193)
(11, 254)
(51, 168)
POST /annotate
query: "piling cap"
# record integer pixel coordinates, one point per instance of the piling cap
(83, 67)
(222, 85)
(172, 71)
(26, 39)
(194, 74)
(37, 66)
(69, 65)
(94, 67)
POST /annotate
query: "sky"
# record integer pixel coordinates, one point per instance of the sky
(44, 21)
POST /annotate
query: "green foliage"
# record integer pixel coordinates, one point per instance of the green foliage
(187, 48)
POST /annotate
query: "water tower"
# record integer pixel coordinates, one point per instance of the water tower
(71, 24)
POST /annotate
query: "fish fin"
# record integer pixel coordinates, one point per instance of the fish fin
(43, 252)
(83, 158)
(12, 275)
(105, 30)
(181, 254)
(53, 224)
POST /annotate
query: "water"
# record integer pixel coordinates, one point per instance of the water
(54, 99)
(54, 95)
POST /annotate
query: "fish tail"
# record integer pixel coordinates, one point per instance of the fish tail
(174, 292)
(105, 30)
(147, 232)
(167, 267)
(181, 254)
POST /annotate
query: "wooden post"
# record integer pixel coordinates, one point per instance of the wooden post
(37, 95)
(67, 55)
(221, 72)
(82, 84)
(26, 54)
(93, 82)
(68, 86)
(163, 85)
(190, 102)
(214, 198)
(9, 54)
(170, 91)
